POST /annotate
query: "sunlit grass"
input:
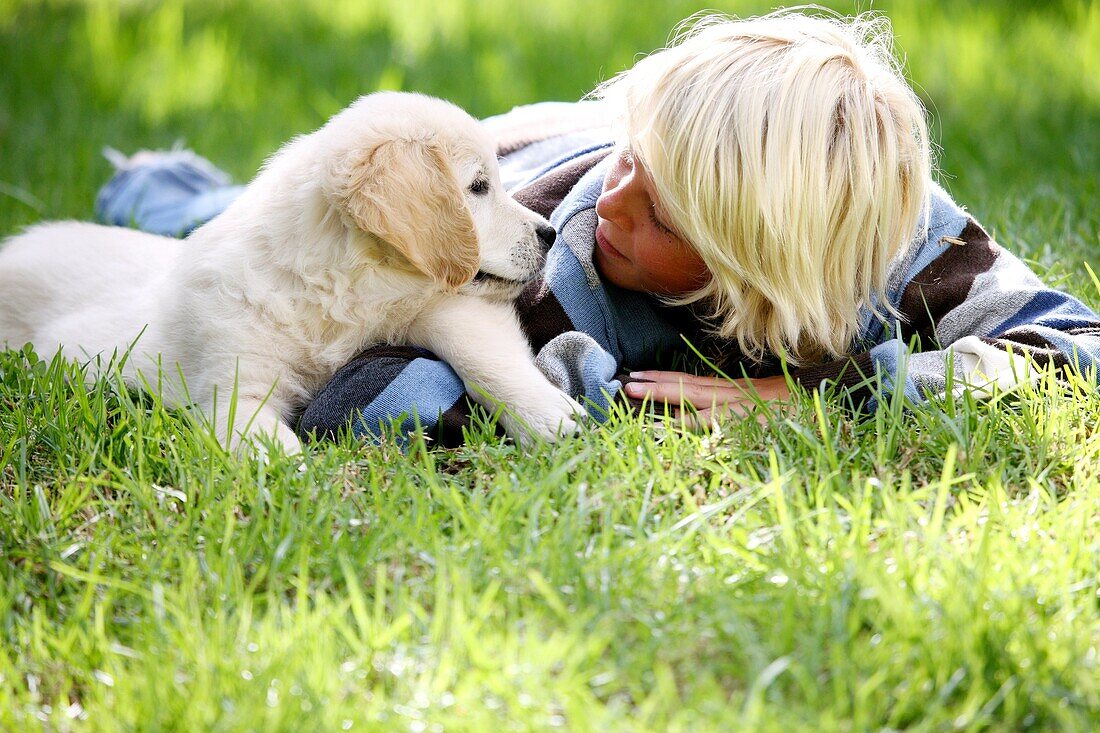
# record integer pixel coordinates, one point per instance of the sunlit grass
(924, 569)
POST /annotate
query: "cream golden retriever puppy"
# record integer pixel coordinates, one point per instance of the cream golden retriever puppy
(387, 225)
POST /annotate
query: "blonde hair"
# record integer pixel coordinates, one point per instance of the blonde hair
(789, 151)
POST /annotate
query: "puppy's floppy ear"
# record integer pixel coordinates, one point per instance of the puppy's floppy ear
(404, 191)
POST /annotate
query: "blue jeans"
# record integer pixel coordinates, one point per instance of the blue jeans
(169, 193)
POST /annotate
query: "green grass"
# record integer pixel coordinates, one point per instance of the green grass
(922, 570)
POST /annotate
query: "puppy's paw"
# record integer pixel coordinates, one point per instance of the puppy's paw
(549, 416)
(257, 431)
(261, 445)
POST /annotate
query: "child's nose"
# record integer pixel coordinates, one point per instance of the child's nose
(611, 204)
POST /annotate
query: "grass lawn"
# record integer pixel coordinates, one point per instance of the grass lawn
(930, 569)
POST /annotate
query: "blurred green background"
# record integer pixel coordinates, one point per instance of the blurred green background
(1013, 87)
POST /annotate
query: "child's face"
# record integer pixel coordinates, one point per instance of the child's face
(635, 247)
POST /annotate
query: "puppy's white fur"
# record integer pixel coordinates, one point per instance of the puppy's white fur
(387, 225)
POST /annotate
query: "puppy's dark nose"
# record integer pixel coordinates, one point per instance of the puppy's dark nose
(547, 235)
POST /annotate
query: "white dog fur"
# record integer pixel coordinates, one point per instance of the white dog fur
(387, 225)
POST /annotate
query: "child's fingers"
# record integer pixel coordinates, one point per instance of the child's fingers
(702, 396)
(655, 375)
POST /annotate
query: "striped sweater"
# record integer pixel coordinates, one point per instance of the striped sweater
(969, 310)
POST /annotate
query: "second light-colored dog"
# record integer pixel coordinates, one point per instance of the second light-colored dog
(387, 225)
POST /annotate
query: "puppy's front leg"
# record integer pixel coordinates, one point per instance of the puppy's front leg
(485, 345)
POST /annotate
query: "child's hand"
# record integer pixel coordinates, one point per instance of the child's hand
(709, 397)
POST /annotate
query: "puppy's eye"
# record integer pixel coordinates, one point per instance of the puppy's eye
(480, 187)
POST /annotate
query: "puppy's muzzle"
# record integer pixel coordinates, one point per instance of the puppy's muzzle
(536, 257)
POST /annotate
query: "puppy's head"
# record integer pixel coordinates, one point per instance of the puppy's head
(421, 175)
